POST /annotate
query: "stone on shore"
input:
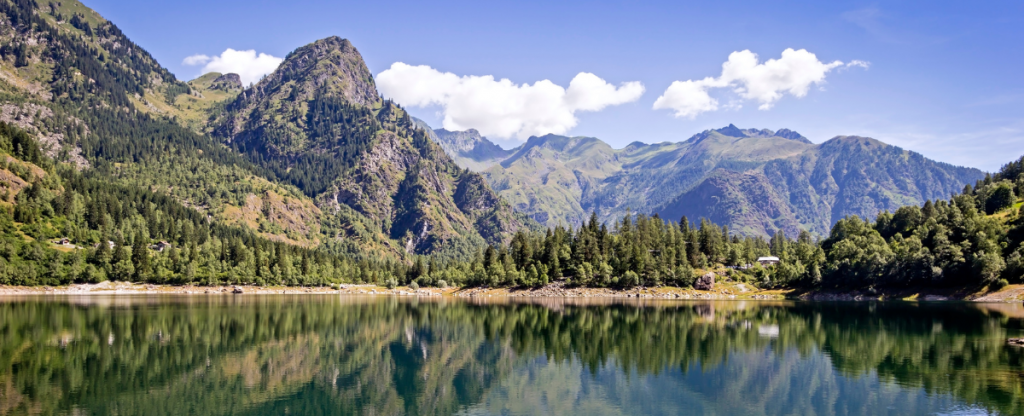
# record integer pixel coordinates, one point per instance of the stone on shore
(705, 282)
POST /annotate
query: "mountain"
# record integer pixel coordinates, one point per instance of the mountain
(309, 156)
(94, 98)
(320, 125)
(754, 181)
(846, 175)
(468, 148)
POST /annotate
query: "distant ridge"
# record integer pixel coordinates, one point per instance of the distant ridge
(756, 181)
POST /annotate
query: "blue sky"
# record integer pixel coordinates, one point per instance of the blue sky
(944, 77)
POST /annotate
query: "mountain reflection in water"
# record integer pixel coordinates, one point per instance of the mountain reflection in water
(213, 355)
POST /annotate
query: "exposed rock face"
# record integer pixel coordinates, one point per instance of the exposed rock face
(418, 201)
(32, 118)
(227, 82)
(471, 146)
(705, 282)
(376, 178)
(459, 141)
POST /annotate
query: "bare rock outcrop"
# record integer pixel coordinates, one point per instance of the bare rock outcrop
(705, 282)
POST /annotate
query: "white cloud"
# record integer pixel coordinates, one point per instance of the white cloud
(857, 62)
(766, 82)
(249, 65)
(688, 98)
(588, 92)
(501, 108)
(197, 59)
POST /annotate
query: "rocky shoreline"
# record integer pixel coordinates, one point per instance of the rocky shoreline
(555, 290)
(722, 291)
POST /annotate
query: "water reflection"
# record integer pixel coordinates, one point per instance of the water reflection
(329, 355)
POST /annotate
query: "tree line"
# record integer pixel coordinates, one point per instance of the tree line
(971, 240)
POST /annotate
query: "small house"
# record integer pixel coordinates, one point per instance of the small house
(63, 241)
(160, 246)
(768, 260)
(110, 245)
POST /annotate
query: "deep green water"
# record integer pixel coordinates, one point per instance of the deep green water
(318, 355)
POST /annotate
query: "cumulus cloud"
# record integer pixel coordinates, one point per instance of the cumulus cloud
(765, 82)
(501, 108)
(249, 65)
(688, 98)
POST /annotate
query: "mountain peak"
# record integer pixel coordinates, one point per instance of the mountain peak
(854, 141)
(791, 135)
(458, 142)
(468, 148)
(732, 131)
(329, 66)
(227, 82)
(329, 71)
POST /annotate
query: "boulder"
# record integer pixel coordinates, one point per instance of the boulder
(705, 282)
(237, 289)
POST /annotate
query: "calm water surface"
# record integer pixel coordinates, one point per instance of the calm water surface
(319, 355)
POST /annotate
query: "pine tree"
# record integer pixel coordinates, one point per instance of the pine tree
(140, 257)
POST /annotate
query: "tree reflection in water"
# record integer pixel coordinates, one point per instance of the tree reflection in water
(350, 355)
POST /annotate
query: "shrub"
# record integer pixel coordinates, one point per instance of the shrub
(391, 283)
(988, 266)
(1000, 284)
(630, 279)
(414, 286)
(442, 284)
(999, 198)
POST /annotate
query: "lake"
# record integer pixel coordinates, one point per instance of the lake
(325, 354)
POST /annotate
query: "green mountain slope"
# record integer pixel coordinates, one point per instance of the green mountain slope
(561, 179)
(754, 181)
(95, 99)
(281, 159)
(811, 191)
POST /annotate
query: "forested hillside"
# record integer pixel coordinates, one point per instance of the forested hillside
(116, 231)
(311, 156)
(94, 99)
